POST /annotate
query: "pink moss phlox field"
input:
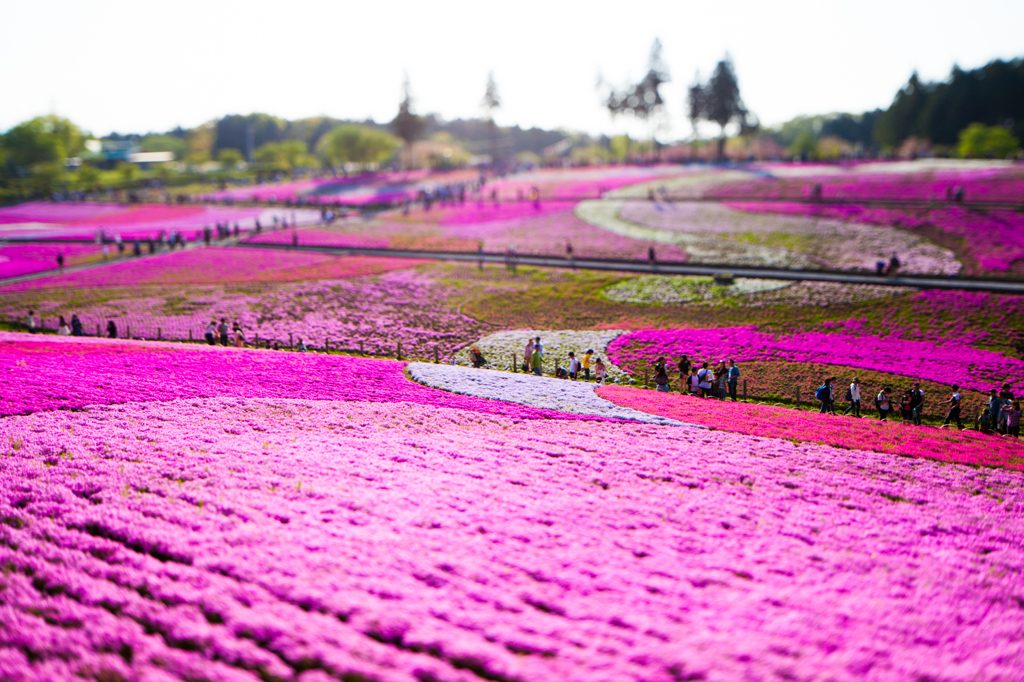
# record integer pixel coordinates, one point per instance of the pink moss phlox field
(25, 259)
(994, 238)
(315, 237)
(50, 373)
(240, 539)
(949, 363)
(84, 220)
(766, 421)
(220, 264)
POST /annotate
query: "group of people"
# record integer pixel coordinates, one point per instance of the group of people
(1002, 414)
(703, 381)
(233, 337)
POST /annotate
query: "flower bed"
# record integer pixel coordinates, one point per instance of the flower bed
(24, 259)
(947, 364)
(60, 373)
(827, 243)
(295, 539)
(500, 347)
(219, 264)
(84, 220)
(904, 440)
(563, 395)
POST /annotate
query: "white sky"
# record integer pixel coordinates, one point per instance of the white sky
(149, 66)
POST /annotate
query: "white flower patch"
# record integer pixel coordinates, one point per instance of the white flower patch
(671, 289)
(575, 397)
(500, 348)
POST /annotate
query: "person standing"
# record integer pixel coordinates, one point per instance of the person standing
(222, 330)
(600, 371)
(693, 381)
(111, 329)
(853, 397)
(706, 380)
(62, 328)
(537, 362)
(1013, 420)
(585, 363)
(528, 355)
(661, 375)
(884, 403)
(60, 262)
(538, 347)
(684, 372)
(995, 406)
(211, 331)
(31, 322)
(76, 326)
(916, 403)
(239, 336)
(734, 378)
(574, 366)
(954, 408)
(823, 395)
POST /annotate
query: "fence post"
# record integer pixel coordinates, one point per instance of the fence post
(398, 353)
(190, 336)
(744, 390)
(127, 331)
(257, 340)
(798, 397)
(160, 333)
(513, 359)
(361, 348)
(291, 344)
(437, 357)
(97, 329)
(327, 344)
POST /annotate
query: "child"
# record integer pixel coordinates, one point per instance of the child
(574, 366)
(1013, 420)
(585, 363)
(600, 372)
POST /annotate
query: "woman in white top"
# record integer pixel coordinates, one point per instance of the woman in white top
(853, 395)
(63, 329)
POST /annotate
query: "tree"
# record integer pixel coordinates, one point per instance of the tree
(696, 102)
(165, 143)
(229, 158)
(285, 155)
(407, 125)
(722, 102)
(980, 141)
(352, 143)
(492, 101)
(642, 100)
(43, 140)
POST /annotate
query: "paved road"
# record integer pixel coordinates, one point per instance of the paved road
(666, 268)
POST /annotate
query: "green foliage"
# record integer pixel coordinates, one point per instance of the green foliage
(351, 143)
(43, 140)
(229, 158)
(285, 155)
(87, 177)
(980, 141)
(805, 145)
(128, 172)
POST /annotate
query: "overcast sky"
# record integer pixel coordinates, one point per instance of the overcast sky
(150, 66)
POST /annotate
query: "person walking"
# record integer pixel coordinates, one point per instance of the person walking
(76, 326)
(661, 375)
(537, 362)
(222, 331)
(585, 363)
(1013, 420)
(211, 330)
(238, 336)
(538, 347)
(954, 408)
(734, 378)
(823, 395)
(884, 403)
(853, 397)
(916, 403)
(600, 371)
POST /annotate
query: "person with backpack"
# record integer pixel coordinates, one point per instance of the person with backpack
(824, 395)
(706, 380)
(905, 406)
(661, 375)
(916, 403)
(883, 401)
(954, 408)
(853, 397)
(574, 366)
